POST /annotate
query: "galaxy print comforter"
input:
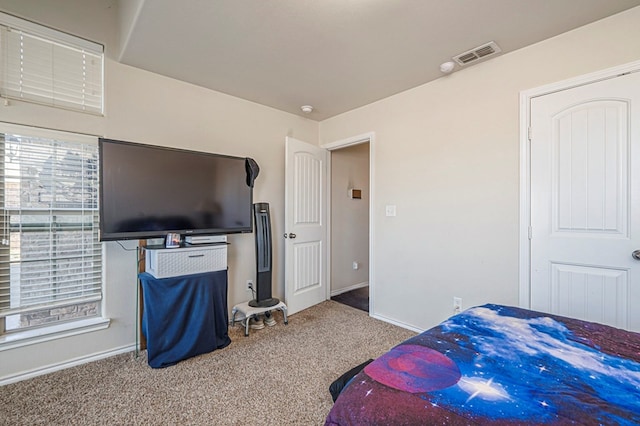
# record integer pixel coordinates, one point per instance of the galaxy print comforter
(500, 365)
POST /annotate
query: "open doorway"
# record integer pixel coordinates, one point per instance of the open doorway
(350, 201)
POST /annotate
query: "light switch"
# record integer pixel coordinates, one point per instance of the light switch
(391, 210)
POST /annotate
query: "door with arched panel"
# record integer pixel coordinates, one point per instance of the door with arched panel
(585, 202)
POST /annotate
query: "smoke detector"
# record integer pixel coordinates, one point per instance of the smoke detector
(306, 109)
(478, 53)
(447, 67)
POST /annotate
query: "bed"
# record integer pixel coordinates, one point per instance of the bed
(500, 365)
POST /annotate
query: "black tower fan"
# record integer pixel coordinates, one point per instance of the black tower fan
(263, 257)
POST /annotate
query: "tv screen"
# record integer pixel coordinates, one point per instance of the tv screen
(148, 191)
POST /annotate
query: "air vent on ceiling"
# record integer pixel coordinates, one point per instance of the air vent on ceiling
(480, 52)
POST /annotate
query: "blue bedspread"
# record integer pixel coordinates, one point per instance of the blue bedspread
(500, 365)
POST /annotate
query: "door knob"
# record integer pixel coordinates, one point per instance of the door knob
(636, 255)
(289, 235)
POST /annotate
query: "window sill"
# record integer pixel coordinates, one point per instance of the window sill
(58, 331)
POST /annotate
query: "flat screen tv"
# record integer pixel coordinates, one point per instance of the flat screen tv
(148, 191)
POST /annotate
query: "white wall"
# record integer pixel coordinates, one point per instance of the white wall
(447, 154)
(349, 218)
(148, 108)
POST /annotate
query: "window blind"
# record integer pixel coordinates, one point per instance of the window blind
(49, 67)
(50, 254)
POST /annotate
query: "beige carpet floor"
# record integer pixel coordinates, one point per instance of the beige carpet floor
(277, 376)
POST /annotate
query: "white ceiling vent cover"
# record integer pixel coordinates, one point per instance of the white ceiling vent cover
(475, 54)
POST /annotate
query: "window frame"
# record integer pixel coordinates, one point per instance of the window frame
(32, 334)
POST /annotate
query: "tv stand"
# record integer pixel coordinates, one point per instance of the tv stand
(248, 311)
(184, 298)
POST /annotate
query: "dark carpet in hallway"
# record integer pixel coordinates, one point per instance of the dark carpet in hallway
(358, 298)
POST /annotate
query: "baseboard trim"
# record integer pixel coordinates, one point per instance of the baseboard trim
(395, 322)
(66, 364)
(351, 287)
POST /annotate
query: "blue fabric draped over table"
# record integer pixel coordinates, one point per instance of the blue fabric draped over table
(184, 316)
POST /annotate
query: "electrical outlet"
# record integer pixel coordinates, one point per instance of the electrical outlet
(457, 305)
(249, 284)
(356, 265)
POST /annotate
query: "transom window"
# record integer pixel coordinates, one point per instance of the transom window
(42, 65)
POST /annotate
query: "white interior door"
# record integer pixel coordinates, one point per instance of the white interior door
(585, 202)
(305, 225)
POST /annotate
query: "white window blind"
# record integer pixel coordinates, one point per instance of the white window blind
(50, 255)
(49, 67)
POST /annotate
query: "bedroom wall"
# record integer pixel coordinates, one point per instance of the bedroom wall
(148, 108)
(447, 155)
(349, 218)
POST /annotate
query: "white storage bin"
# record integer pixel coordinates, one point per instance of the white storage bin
(165, 263)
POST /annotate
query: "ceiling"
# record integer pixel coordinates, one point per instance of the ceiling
(335, 55)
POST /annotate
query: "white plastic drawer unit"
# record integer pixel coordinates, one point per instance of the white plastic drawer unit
(165, 263)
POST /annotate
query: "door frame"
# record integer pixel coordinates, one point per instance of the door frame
(525, 163)
(333, 146)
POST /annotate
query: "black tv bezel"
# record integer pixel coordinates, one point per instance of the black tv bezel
(140, 235)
